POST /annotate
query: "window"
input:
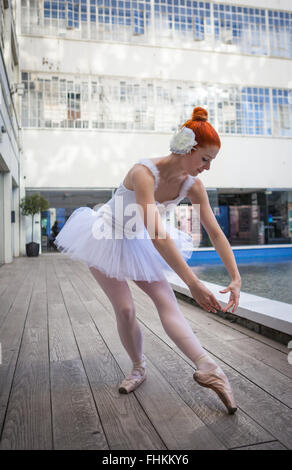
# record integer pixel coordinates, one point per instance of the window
(54, 102)
(242, 28)
(64, 14)
(158, 105)
(182, 19)
(256, 111)
(280, 33)
(73, 106)
(229, 110)
(31, 17)
(121, 20)
(282, 109)
(203, 24)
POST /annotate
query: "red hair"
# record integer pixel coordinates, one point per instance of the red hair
(204, 131)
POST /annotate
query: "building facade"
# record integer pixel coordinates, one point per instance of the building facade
(11, 181)
(108, 81)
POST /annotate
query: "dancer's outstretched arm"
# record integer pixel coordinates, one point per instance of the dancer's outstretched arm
(143, 184)
(198, 195)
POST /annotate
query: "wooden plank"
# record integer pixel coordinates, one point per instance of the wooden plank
(208, 323)
(234, 326)
(160, 401)
(268, 355)
(11, 333)
(267, 411)
(263, 352)
(28, 419)
(278, 415)
(3, 288)
(212, 323)
(216, 318)
(76, 423)
(273, 445)
(15, 282)
(81, 287)
(232, 431)
(247, 333)
(254, 401)
(250, 333)
(236, 430)
(54, 293)
(8, 270)
(272, 381)
(176, 423)
(124, 421)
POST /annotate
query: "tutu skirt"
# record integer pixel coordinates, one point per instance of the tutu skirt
(120, 258)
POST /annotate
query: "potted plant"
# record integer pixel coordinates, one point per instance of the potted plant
(32, 205)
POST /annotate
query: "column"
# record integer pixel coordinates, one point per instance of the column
(7, 187)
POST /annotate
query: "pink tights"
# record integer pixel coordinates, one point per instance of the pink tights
(172, 319)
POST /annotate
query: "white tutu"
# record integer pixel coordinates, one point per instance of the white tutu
(83, 237)
(124, 259)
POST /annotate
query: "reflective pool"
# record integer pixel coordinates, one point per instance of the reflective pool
(273, 280)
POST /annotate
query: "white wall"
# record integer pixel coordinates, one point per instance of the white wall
(101, 159)
(16, 224)
(91, 158)
(7, 185)
(92, 58)
(10, 143)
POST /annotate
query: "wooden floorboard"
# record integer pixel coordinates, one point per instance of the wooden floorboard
(76, 423)
(62, 361)
(237, 355)
(11, 282)
(124, 421)
(231, 430)
(11, 335)
(28, 419)
(272, 445)
(266, 409)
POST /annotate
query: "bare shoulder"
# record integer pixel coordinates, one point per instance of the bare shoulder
(197, 192)
(141, 175)
(141, 180)
(137, 175)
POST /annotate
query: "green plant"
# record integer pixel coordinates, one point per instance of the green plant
(31, 205)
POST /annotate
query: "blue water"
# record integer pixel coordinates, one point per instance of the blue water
(270, 280)
(244, 256)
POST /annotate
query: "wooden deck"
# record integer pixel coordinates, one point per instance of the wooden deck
(62, 361)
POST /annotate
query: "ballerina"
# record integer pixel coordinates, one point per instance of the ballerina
(105, 241)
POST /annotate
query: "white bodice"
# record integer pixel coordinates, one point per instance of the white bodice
(120, 205)
(130, 195)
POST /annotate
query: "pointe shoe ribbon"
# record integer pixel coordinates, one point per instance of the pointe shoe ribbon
(217, 381)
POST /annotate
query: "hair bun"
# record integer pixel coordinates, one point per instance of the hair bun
(199, 114)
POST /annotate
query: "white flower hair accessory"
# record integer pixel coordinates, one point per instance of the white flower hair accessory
(183, 141)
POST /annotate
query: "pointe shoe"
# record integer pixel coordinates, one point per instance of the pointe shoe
(217, 381)
(133, 380)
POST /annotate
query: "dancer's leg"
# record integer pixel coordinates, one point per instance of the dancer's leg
(121, 299)
(175, 324)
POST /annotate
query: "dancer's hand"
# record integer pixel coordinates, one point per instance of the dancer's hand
(234, 289)
(204, 297)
